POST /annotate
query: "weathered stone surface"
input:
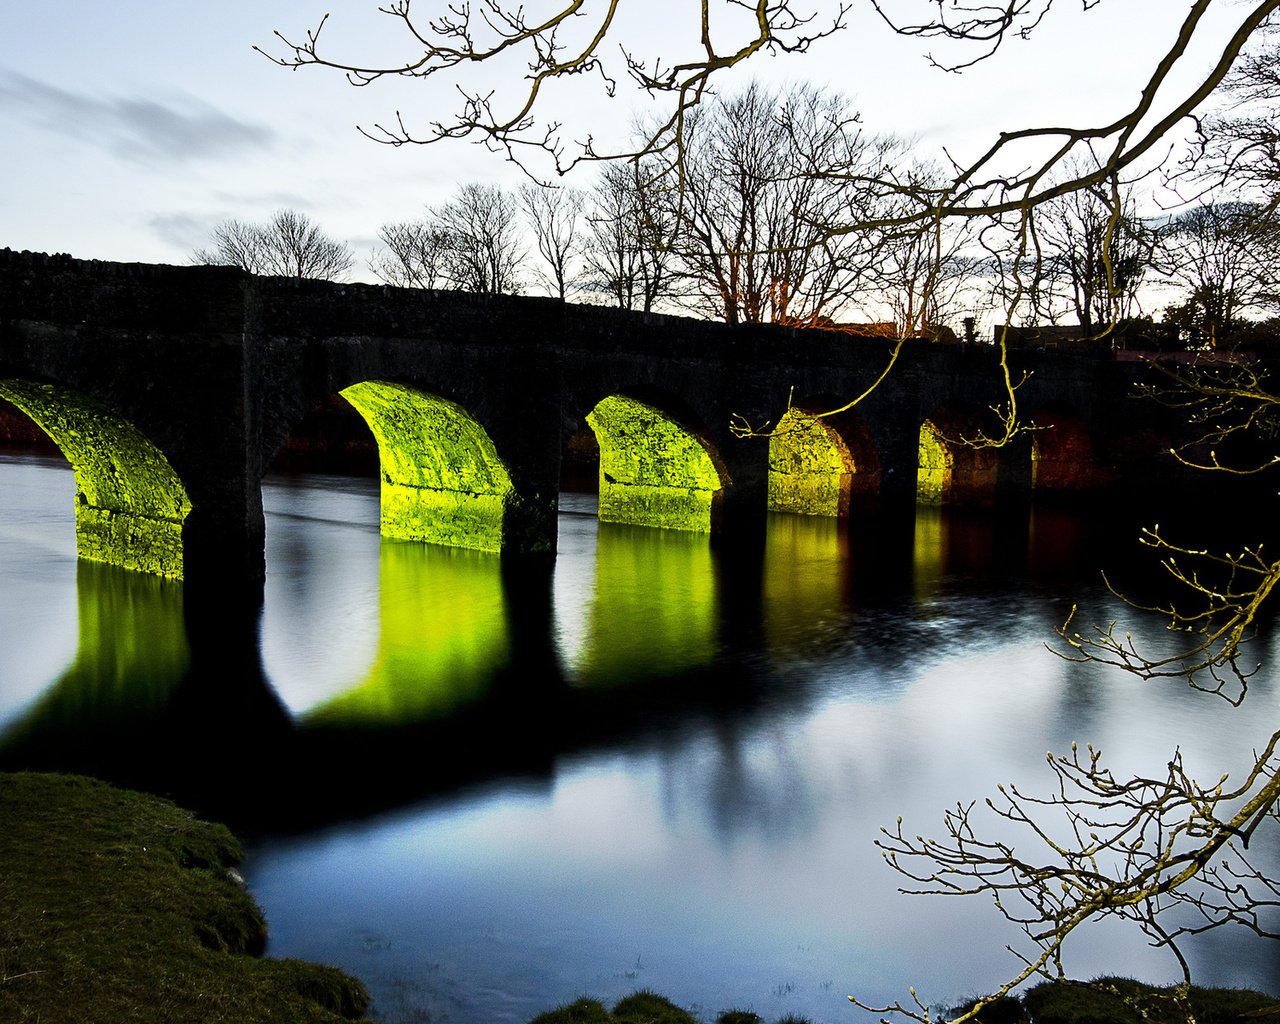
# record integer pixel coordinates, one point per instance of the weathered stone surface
(653, 472)
(130, 504)
(442, 478)
(810, 467)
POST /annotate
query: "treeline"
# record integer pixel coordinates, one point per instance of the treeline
(779, 207)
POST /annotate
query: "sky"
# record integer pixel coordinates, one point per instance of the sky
(131, 129)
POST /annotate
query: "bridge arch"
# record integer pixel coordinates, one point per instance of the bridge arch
(817, 464)
(951, 470)
(654, 469)
(130, 503)
(443, 480)
(1063, 459)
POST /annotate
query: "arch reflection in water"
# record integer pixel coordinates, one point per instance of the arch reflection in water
(132, 654)
(806, 577)
(443, 634)
(651, 609)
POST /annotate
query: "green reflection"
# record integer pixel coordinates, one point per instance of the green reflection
(444, 632)
(442, 479)
(653, 472)
(130, 504)
(806, 576)
(949, 543)
(810, 467)
(653, 609)
(132, 653)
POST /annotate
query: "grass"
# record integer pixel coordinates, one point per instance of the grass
(642, 1007)
(121, 907)
(1125, 1001)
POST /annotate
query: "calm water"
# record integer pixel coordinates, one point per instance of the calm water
(489, 789)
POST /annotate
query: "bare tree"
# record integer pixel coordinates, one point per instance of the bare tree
(628, 252)
(558, 48)
(288, 245)
(413, 255)
(766, 177)
(485, 250)
(1240, 145)
(233, 244)
(555, 214)
(1225, 254)
(919, 275)
(1093, 254)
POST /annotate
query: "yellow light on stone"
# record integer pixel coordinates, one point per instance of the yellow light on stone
(442, 478)
(933, 479)
(130, 504)
(810, 467)
(653, 472)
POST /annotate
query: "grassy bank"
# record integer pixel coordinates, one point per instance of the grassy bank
(1101, 1001)
(116, 906)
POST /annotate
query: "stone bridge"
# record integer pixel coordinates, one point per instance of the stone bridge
(171, 390)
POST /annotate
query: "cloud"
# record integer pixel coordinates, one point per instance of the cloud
(139, 129)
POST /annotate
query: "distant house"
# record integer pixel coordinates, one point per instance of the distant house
(1043, 336)
(1138, 334)
(881, 329)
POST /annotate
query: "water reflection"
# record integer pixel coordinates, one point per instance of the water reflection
(807, 578)
(131, 655)
(443, 634)
(651, 610)
(481, 832)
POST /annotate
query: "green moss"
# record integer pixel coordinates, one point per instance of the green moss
(442, 478)
(650, 1008)
(933, 478)
(1122, 1001)
(1125, 1001)
(810, 467)
(581, 1011)
(130, 504)
(115, 906)
(643, 1007)
(653, 472)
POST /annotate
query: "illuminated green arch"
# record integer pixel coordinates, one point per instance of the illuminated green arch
(810, 467)
(951, 471)
(130, 504)
(936, 465)
(442, 478)
(653, 472)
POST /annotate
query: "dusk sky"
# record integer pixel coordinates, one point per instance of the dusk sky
(131, 129)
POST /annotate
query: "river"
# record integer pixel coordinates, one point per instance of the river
(487, 788)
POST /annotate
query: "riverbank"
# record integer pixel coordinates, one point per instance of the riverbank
(1101, 1001)
(117, 906)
